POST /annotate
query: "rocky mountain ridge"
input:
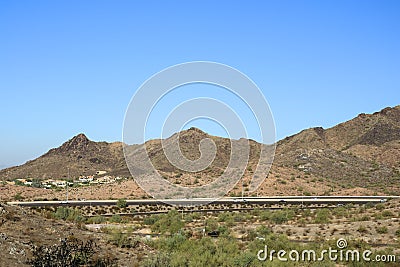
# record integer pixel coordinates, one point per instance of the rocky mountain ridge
(362, 152)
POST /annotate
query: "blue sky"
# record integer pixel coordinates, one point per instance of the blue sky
(72, 66)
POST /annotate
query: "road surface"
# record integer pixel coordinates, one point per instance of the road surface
(199, 201)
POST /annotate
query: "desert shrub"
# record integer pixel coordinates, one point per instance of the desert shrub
(282, 216)
(196, 215)
(156, 260)
(224, 216)
(116, 219)
(265, 215)
(364, 218)
(238, 217)
(275, 241)
(168, 223)
(382, 230)
(263, 230)
(340, 212)
(150, 220)
(18, 197)
(69, 214)
(180, 251)
(256, 212)
(121, 239)
(260, 232)
(244, 259)
(97, 219)
(70, 252)
(279, 217)
(188, 218)
(322, 216)
(378, 216)
(227, 218)
(121, 203)
(302, 222)
(211, 224)
(362, 229)
(281, 181)
(224, 230)
(306, 213)
(369, 205)
(387, 213)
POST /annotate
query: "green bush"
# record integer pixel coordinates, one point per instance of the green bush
(116, 219)
(150, 220)
(120, 238)
(263, 230)
(382, 230)
(211, 225)
(69, 214)
(322, 216)
(387, 213)
(265, 215)
(157, 260)
(168, 223)
(224, 216)
(282, 216)
(70, 252)
(362, 229)
(121, 203)
(224, 230)
(97, 219)
(260, 232)
(18, 197)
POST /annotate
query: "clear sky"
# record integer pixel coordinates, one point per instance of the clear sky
(72, 66)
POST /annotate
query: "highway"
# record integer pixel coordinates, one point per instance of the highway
(273, 200)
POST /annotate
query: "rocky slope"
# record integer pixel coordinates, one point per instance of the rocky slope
(362, 152)
(359, 156)
(81, 155)
(22, 229)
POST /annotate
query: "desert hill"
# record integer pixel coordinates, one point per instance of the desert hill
(362, 152)
(81, 155)
(360, 156)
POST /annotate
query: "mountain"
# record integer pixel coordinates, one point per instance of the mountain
(362, 152)
(79, 154)
(360, 156)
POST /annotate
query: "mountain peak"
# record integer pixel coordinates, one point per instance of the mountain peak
(194, 129)
(80, 138)
(192, 132)
(77, 143)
